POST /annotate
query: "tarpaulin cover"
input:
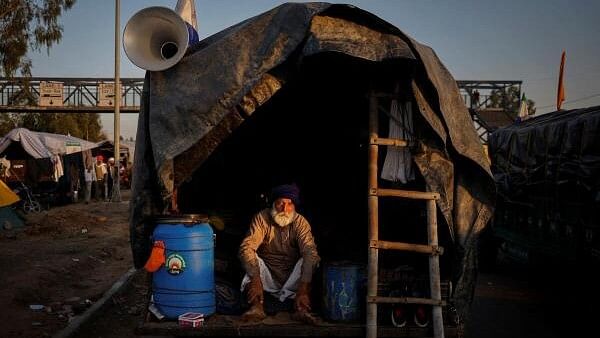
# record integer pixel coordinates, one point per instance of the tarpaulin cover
(7, 196)
(563, 145)
(189, 109)
(9, 219)
(43, 145)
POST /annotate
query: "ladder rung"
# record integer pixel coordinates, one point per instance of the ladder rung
(419, 248)
(419, 195)
(387, 95)
(406, 300)
(388, 142)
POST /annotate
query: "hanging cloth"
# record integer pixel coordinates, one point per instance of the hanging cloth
(398, 164)
(88, 159)
(58, 167)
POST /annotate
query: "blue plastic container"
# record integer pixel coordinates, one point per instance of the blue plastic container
(185, 283)
(343, 285)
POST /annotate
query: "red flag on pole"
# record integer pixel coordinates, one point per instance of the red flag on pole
(560, 96)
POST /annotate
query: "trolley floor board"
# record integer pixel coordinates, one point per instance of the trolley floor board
(215, 327)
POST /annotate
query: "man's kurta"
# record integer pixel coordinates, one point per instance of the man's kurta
(279, 247)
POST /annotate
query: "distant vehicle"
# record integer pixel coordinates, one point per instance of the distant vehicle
(547, 172)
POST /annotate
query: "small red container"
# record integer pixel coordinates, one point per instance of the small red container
(191, 319)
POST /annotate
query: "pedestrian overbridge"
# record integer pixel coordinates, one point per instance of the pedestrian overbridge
(64, 95)
(96, 95)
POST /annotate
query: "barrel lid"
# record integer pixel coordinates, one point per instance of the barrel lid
(181, 219)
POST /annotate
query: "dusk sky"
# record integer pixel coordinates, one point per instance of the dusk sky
(476, 40)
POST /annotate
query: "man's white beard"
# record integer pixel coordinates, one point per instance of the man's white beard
(282, 218)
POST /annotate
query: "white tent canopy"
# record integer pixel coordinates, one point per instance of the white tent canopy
(44, 145)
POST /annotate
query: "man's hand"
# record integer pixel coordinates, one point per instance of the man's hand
(302, 301)
(255, 291)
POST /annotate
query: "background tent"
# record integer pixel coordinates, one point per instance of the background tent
(7, 196)
(8, 217)
(107, 150)
(42, 159)
(547, 170)
(44, 145)
(286, 93)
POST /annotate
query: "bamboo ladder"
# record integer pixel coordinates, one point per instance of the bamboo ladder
(375, 244)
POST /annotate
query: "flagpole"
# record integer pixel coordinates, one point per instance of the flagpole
(116, 192)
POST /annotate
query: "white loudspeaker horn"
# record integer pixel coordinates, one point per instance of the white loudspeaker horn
(156, 38)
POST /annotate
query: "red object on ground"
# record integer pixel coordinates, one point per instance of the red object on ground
(191, 319)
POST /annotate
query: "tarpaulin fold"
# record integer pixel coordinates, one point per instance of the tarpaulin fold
(562, 145)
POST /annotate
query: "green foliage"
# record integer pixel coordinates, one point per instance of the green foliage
(84, 126)
(28, 25)
(531, 106)
(509, 99)
(8, 122)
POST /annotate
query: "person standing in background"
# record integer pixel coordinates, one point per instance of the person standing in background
(101, 173)
(75, 184)
(110, 177)
(89, 174)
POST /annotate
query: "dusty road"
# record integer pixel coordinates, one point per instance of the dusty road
(64, 260)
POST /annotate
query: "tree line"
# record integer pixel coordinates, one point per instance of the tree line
(85, 126)
(33, 25)
(509, 100)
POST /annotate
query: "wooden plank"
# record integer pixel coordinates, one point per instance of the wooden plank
(419, 248)
(387, 95)
(406, 300)
(434, 270)
(388, 142)
(373, 259)
(420, 195)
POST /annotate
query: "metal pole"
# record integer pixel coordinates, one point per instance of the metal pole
(116, 192)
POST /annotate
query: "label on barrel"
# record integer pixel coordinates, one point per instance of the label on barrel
(175, 264)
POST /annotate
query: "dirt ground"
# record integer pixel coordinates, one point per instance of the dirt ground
(64, 259)
(518, 301)
(510, 301)
(67, 257)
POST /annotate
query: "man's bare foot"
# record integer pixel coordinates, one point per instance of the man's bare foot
(305, 317)
(254, 314)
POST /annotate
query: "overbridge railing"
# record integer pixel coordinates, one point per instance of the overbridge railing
(81, 95)
(93, 95)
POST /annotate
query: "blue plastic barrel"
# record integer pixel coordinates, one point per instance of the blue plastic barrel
(343, 285)
(185, 283)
